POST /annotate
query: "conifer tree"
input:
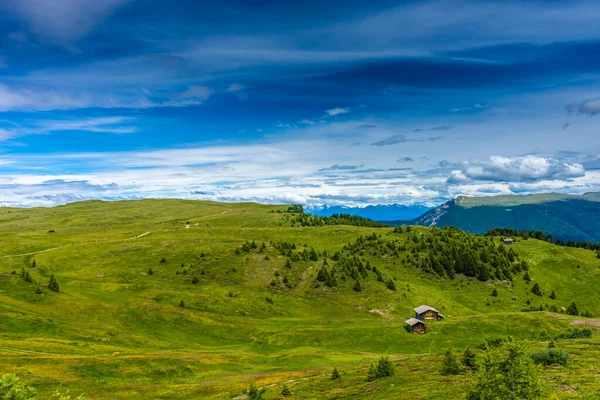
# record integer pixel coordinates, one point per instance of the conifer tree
(181, 304)
(572, 309)
(526, 277)
(357, 286)
(288, 264)
(449, 364)
(163, 260)
(536, 289)
(553, 295)
(372, 374)
(322, 275)
(335, 375)
(28, 277)
(195, 280)
(391, 285)
(468, 360)
(33, 264)
(53, 284)
(495, 292)
(38, 290)
(150, 272)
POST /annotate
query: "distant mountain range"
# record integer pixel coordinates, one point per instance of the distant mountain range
(569, 217)
(391, 212)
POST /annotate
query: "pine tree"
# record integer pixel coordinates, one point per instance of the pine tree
(391, 285)
(285, 391)
(322, 275)
(572, 309)
(468, 361)
(449, 364)
(53, 284)
(28, 277)
(526, 277)
(357, 286)
(385, 367)
(288, 264)
(372, 374)
(38, 290)
(195, 280)
(163, 260)
(150, 272)
(495, 292)
(553, 295)
(536, 289)
(181, 304)
(335, 375)
(33, 264)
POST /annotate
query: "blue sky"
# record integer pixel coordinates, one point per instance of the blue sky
(342, 103)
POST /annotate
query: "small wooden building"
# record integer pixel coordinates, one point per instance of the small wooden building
(507, 241)
(425, 312)
(415, 326)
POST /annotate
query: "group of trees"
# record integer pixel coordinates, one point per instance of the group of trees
(508, 232)
(335, 219)
(52, 283)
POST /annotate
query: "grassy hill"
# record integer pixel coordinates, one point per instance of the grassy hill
(117, 332)
(569, 217)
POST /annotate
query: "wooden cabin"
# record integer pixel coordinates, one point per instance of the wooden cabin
(415, 326)
(507, 241)
(425, 312)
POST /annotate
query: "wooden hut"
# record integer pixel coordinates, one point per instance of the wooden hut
(425, 312)
(507, 241)
(415, 326)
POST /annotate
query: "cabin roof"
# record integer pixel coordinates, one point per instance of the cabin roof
(414, 321)
(424, 308)
(507, 240)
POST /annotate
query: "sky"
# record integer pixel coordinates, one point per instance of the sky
(338, 103)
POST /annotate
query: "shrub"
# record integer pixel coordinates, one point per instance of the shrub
(269, 300)
(384, 368)
(335, 375)
(495, 292)
(255, 393)
(587, 313)
(285, 391)
(550, 356)
(53, 284)
(449, 364)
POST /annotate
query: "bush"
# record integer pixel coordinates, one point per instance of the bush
(255, 393)
(12, 388)
(335, 375)
(269, 300)
(285, 391)
(384, 368)
(550, 356)
(495, 292)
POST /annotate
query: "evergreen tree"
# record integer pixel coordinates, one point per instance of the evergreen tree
(163, 260)
(468, 360)
(181, 304)
(288, 264)
(195, 280)
(53, 284)
(372, 374)
(33, 264)
(526, 277)
(495, 292)
(255, 393)
(536, 289)
(506, 374)
(572, 309)
(391, 285)
(553, 295)
(335, 375)
(285, 391)
(28, 277)
(150, 272)
(357, 286)
(38, 290)
(322, 275)
(384, 368)
(449, 364)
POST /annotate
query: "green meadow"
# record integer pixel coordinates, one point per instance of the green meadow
(115, 331)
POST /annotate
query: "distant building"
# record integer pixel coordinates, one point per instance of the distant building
(425, 312)
(415, 326)
(507, 241)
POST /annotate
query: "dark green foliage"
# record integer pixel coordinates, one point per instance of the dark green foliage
(38, 290)
(288, 264)
(277, 273)
(295, 209)
(286, 282)
(572, 309)
(384, 368)
(572, 333)
(12, 388)
(335, 219)
(269, 300)
(33, 264)
(391, 285)
(182, 304)
(508, 373)
(469, 361)
(495, 292)
(150, 272)
(285, 391)
(255, 393)
(357, 286)
(335, 375)
(27, 277)
(195, 280)
(163, 260)
(273, 282)
(536, 289)
(450, 364)
(53, 284)
(553, 295)
(587, 313)
(526, 277)
(550, 356)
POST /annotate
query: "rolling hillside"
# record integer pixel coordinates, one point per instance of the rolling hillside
(185, 299)
(569, 217)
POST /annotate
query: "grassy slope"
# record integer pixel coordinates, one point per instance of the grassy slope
(116, 327)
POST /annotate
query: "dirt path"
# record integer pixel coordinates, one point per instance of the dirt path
(60, 247)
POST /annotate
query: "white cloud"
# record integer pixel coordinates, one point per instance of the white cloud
(337, 111)
(196, 92)
(62, 21)
(234, 87)
(306, 121)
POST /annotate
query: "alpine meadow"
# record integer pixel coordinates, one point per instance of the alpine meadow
(311, 200)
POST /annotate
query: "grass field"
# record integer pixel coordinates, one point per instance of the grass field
(117, 332)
